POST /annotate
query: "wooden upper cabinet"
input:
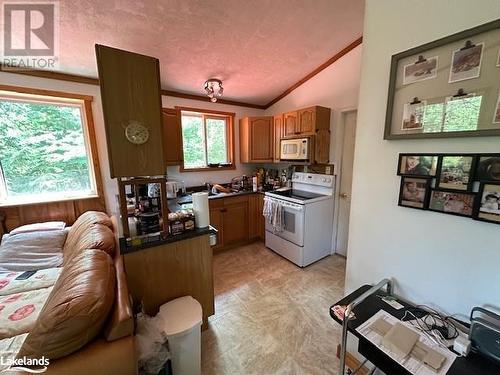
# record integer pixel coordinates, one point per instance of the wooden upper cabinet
(172, 137)
(278, 132)
(131, 100)
(290, 124)
(256, 139)
(307, 121)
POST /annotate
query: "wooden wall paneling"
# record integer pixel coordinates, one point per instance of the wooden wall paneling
(162, 273)
(130, 91)
(64, 210)
(90, 204)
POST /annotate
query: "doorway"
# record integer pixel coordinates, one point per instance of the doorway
(348, 129)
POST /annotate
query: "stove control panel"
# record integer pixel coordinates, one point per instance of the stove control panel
(313, 179)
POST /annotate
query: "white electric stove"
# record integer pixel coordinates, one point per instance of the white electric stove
(308, 219)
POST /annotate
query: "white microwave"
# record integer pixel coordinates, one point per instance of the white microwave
(295, 149)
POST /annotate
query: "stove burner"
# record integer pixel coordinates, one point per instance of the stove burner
(298, 194)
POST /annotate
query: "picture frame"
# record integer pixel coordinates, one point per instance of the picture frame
(487, 168)
(456, 172)
(414, 192)
(496, 114)
(482, 79)
(466, 63)
(421, 70)
(487, 207)
(418, 165)
(452, 202)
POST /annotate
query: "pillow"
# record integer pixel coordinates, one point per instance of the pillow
(39, 227)
(77, 308)
(32, 251)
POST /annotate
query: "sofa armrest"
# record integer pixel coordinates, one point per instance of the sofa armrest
(99, 357)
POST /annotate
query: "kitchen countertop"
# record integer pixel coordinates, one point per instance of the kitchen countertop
(126, 249)
(179, 203)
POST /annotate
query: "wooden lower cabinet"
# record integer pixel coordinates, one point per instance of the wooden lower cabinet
(216, 219)
(235, 223)
(238, 219)
(162, 273)
(256, 225)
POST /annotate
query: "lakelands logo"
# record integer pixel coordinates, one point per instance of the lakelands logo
(31, 365)
(30, 34)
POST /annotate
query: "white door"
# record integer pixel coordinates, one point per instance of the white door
(349, 130)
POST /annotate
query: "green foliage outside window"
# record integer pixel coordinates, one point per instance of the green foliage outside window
(204, 140)
(42, 149)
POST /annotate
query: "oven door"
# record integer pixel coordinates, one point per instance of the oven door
(293, 229)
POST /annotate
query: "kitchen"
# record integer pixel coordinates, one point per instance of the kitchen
(245, 273)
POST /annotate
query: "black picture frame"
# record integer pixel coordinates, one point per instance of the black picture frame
(470, 194)
(477, 206)
(485, 176)
(403, 156)
(472, 173)
(422, 50)
(425, 203)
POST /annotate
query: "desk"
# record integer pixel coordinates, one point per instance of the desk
(471, 365)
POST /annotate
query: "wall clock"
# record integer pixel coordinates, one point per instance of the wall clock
(136, 133)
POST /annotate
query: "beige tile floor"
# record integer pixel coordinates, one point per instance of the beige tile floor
(271, 317)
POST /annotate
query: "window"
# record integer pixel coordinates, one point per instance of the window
(207, 139)
(44, 149)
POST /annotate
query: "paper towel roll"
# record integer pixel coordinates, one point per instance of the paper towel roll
(201, 210)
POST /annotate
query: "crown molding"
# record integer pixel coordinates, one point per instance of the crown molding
(323, 66)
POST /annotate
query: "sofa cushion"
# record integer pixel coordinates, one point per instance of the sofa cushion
(76, 309)
(41, 279)
(96, 236)
(19, 311)
(83, 223)
(32, 251)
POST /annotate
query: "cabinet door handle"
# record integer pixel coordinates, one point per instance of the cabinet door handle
(223, 210)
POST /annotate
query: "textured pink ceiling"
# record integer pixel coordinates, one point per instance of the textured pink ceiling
(257, 47)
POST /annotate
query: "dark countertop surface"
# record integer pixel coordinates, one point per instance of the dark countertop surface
(126, 249)
(178, 203)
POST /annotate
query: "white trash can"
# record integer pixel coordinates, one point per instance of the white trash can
(182, 320)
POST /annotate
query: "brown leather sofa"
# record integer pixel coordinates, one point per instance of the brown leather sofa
(86, 325)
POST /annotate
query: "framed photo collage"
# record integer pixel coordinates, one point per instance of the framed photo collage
(456, 184)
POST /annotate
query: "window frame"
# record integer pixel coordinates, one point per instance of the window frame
(207, 114)
(84, 102)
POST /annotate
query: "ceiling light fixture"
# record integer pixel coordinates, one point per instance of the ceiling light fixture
(214, 89)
